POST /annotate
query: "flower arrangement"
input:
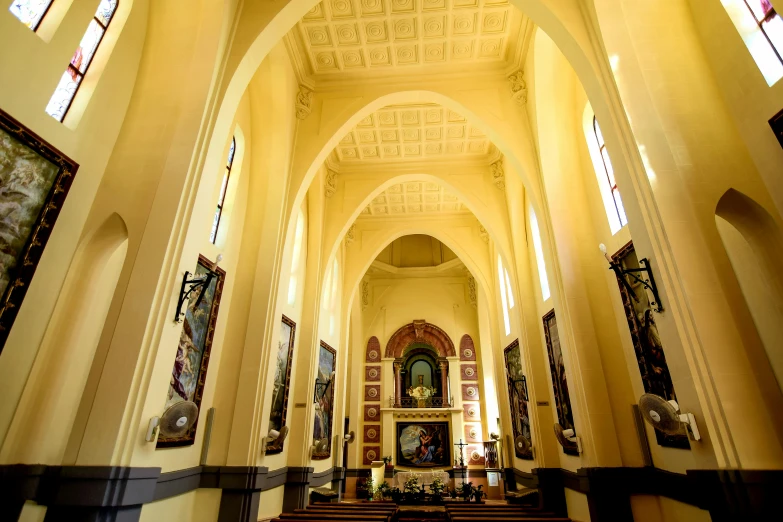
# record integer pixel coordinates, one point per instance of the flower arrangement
(412, 486)
(387, 460)
(437, 486)
(384, 489)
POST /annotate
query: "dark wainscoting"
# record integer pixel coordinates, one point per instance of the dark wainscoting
(728, 494)
(117, 494)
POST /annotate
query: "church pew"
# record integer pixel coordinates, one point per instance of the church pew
(508, 518)
(375, 506)
(310, 517)
(328, 511)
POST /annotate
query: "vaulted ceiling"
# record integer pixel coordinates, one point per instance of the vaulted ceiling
(413, 198)
(341, 40)
(413, 132)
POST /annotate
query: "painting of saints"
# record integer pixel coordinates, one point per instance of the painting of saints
(188, 374)
(517, 394)
(647, 342)
(324, 400)
(423, 445)
(34, 181)
(282, 379)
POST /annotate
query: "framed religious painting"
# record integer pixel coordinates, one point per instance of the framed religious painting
(518, 400)
(324, 402)
(284, 355)
(647, 345)
(34, 181)
(189, 373)
(423, 444)
(565, 415)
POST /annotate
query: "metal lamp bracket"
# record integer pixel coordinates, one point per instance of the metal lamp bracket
(188, 287)
(645, 278)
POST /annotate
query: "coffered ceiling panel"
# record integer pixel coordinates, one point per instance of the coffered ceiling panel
(361, 37)
(413, 132)
(413, 198)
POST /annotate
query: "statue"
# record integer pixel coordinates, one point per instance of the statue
(421, 393)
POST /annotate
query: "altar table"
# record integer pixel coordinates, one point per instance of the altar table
(425, 477)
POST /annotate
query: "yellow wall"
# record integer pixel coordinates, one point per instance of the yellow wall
(200, 505)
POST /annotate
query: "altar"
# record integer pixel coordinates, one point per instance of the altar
(425, 477)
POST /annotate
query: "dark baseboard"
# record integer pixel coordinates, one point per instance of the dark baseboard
(114, 493)
(728, 494)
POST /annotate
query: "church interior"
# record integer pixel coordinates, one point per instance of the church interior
(401, 259)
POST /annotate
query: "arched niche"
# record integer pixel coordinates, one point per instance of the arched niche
(754, 245)
(47, 410)
(419, 332)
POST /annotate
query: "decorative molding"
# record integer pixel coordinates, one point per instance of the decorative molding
(365, 294)
(408, 132)
(417, 331)
(467, 349)
(304, 100)
(472, 293)
(483, 234)
(414, 198)
(350, 236)
(498, 174)
(518, 87)
(330, 186)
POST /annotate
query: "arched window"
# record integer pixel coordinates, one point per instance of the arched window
(539, 250)
(505, 287)
(761, 28)
(30, 12)
(610, 194)
(72, 77)
(331, 293)
(296, 259)
(223, 190)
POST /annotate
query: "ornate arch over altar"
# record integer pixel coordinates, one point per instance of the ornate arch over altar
(423, 332)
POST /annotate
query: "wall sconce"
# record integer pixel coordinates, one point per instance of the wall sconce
(647, 280)
(191, 285)
(321, 388)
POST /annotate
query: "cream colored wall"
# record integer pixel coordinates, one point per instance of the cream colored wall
(200, 505)
(31, 69)
(690, 165)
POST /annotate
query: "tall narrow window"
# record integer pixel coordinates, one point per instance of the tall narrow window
(331, 293)
(72, 78)
(223, 190)
(296, 259)
(539, 250)
(609, 191)
(30, 12)
(509, 293)
(503, 298)
(761, 28)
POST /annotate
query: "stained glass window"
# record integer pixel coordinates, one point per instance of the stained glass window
(761, 29)
(72, 77)
(769, 23)
(609, 171)
(223, 189)
(30, 12)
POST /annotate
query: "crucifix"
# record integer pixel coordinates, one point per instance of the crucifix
(461, 465)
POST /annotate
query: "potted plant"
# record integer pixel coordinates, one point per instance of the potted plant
(388, 462)
(369, 487)
(453, 493)
(384, 490)
(396, 495)
(436, 488)
(467, 491)
(477, 493)
(412, 489)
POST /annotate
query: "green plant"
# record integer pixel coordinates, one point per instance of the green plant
(412, 485)
(369, 486)
(437, 486)
(387, 460)
(384, 489)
